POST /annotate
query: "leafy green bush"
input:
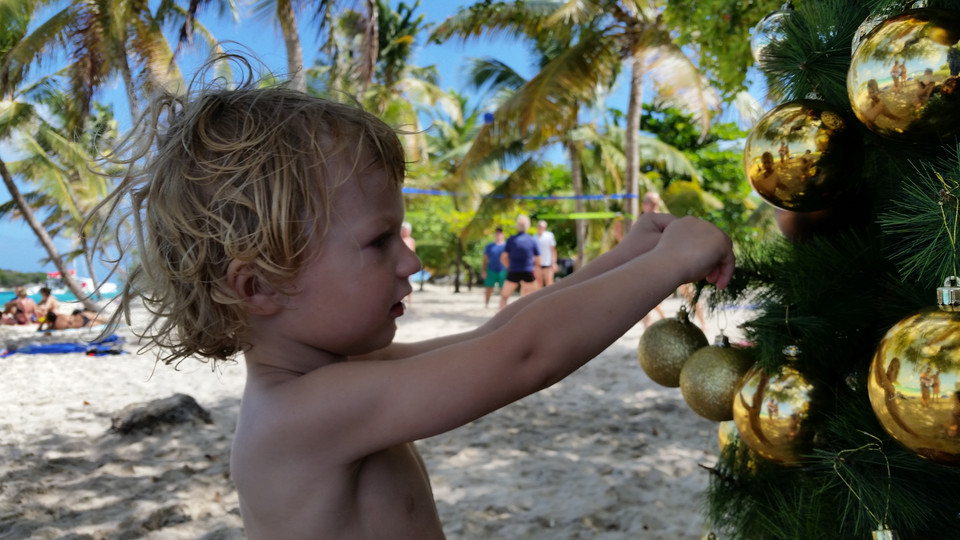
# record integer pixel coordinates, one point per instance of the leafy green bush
(12, 278)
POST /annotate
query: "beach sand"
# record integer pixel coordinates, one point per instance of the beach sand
(606, 453)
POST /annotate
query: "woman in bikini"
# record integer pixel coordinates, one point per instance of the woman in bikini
(78, 319)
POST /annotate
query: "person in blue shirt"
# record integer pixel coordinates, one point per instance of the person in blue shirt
(521, 254)
(493, 271)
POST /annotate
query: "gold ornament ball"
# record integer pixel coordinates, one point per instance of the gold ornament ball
(665, 345)
(878, 17)
(802, 156)
(902, 81)
(771, 411)
(914, 384)
(768, 30)
(710, 378)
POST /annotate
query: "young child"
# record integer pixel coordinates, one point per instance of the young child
(272, 226)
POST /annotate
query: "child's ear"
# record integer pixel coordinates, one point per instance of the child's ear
(258, 296)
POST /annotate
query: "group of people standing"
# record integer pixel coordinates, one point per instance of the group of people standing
(529, 262)
(522, 261)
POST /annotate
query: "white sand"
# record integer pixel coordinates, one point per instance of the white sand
(606, 453)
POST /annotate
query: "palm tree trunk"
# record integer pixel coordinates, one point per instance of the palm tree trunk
(580, 225)
(456, 276)
(44, 238)
(634, 109)
(128, 84)
(371, 45)
(291, 40)
(88, 258)
(459, 255)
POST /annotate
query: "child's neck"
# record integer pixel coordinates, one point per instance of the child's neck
(268, 356)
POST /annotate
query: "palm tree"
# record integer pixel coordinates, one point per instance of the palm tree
(286, 17)
(608, 34)
(398, 92)
(326, 15)
(14, 114)
(556, 115)
(450, 138)
(70, 179)
(99, 39)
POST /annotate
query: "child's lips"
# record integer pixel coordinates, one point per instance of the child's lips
(398, 309)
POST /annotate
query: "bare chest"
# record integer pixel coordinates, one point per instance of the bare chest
(394, 484)
(385, 495)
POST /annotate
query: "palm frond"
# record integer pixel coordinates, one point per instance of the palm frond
(492, 19)
(749, 109)
(575, 12)
(666, 157)
(680, 84)
(35, 199)
(542, 108)
(13, 114)
(156, 55)
(40, 168)
(493, 72)
(523, 179)
(38, 44)
(425, 93)
(603, 158)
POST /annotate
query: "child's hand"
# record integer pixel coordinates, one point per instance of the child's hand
(645, 233)
(700, 250)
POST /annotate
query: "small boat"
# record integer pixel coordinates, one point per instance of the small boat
(57, 287)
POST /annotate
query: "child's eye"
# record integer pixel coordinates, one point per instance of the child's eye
(380, 241)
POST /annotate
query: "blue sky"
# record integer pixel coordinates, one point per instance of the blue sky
(21, 251)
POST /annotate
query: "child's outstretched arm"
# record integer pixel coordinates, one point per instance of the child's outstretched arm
(643, 236)
(546, 339)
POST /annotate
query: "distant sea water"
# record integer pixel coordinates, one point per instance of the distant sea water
(6, 296)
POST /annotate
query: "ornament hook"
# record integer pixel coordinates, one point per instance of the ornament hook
(948, 296)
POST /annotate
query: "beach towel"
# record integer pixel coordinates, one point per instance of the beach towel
(108, 345)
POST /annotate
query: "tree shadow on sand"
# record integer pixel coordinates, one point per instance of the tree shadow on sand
(116, 487)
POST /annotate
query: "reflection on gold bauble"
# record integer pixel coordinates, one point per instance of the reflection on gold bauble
(878, 17)
(802, 156)
(768, 30)
(903, 77)
(914, 384)
(771, 412)
(710, 378)
(665, 345)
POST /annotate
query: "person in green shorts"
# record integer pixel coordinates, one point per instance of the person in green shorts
(493, 272)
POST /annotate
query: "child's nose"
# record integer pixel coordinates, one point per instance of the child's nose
(410, 264)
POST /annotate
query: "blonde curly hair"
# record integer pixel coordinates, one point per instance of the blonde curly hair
(246, 174)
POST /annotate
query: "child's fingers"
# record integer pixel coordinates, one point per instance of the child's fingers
(662, 220)
(722, 273)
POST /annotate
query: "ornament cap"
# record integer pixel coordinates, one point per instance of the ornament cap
(721, 341)
(885, 534)
(792, 352)
(948, 296)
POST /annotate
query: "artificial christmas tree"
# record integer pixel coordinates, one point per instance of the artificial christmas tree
(836, 293)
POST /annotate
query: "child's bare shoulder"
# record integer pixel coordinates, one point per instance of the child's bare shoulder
(294, 459)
